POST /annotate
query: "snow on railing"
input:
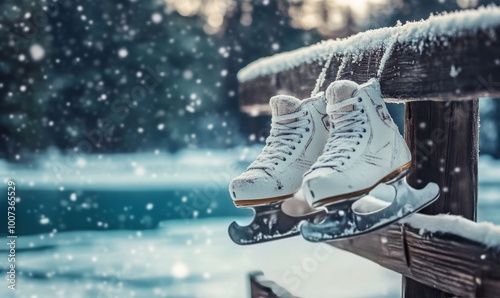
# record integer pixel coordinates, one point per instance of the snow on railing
(484, 233)
(439, 67)
(418, 35)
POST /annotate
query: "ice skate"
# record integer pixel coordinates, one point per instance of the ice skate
(298, 134)
(364, 149)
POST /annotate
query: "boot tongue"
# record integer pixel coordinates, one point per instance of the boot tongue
(340, 91)
(283, 105)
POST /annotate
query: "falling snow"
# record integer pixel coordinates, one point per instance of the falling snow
(454, 71)
(37, 52)
(179, 270)
(446, 25)
(156, 17)
(123, 129)
(122, 53)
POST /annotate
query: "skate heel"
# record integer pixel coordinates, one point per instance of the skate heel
(390, 179)
(397, 177)
(261, 202)
(397, 174)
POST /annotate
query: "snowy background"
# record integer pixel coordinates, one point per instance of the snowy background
(119, 122)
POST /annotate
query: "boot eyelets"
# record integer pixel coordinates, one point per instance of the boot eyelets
(284, 159)
(276, 163)
(353, 150)
(364, 129)
(306, 113)
(308, 121)
(293, 147)
(307, 129)
(289, 153)
(360, 99)
(360, 136)
(348, 157)
(362, 111)
(357, 143)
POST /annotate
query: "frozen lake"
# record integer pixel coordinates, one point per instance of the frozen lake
(186, 259)
(106, 237)
(193, 258)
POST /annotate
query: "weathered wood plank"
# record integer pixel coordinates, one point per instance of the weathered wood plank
(444, 262)
(443, 139)
(441, 136)
(453, 69)
(260, 287)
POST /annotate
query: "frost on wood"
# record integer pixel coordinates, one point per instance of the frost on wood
(435, 29)
(454, 71)
(485, 233)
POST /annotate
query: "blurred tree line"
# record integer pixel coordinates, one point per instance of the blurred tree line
(129, 75)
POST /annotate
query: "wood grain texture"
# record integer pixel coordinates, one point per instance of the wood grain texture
(441, 129)
(260, 287)
(408, 75)
(443, 139)
(446, 263)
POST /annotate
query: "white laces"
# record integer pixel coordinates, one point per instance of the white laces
(345, 134)
(282, 139)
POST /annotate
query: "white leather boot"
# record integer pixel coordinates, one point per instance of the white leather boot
(298, 134)
(363, 150)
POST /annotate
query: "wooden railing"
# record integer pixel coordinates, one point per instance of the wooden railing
(459, 65)
(439, 68)
(260, 287)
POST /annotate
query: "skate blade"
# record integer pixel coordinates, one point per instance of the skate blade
(270, 223)
(344, 219)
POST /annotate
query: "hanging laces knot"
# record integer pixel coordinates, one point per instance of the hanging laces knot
(345, 134)
(286, 132)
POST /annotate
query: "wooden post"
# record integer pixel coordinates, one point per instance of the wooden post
(260, 287)
(443, 139)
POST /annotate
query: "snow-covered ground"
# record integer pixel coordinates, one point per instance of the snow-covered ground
(191, 257)
(187, 259)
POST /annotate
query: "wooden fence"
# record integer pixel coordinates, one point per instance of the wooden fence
(439, 68)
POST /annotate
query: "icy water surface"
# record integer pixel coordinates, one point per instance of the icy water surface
(186, 259)
(106, 243)
(195, 258)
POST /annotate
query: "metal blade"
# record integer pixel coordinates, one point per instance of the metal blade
(342, 220)
(271, 223)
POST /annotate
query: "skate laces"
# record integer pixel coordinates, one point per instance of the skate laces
(345, 134)
(282, 139)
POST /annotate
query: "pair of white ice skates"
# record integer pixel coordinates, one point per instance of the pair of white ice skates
(337, 148)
